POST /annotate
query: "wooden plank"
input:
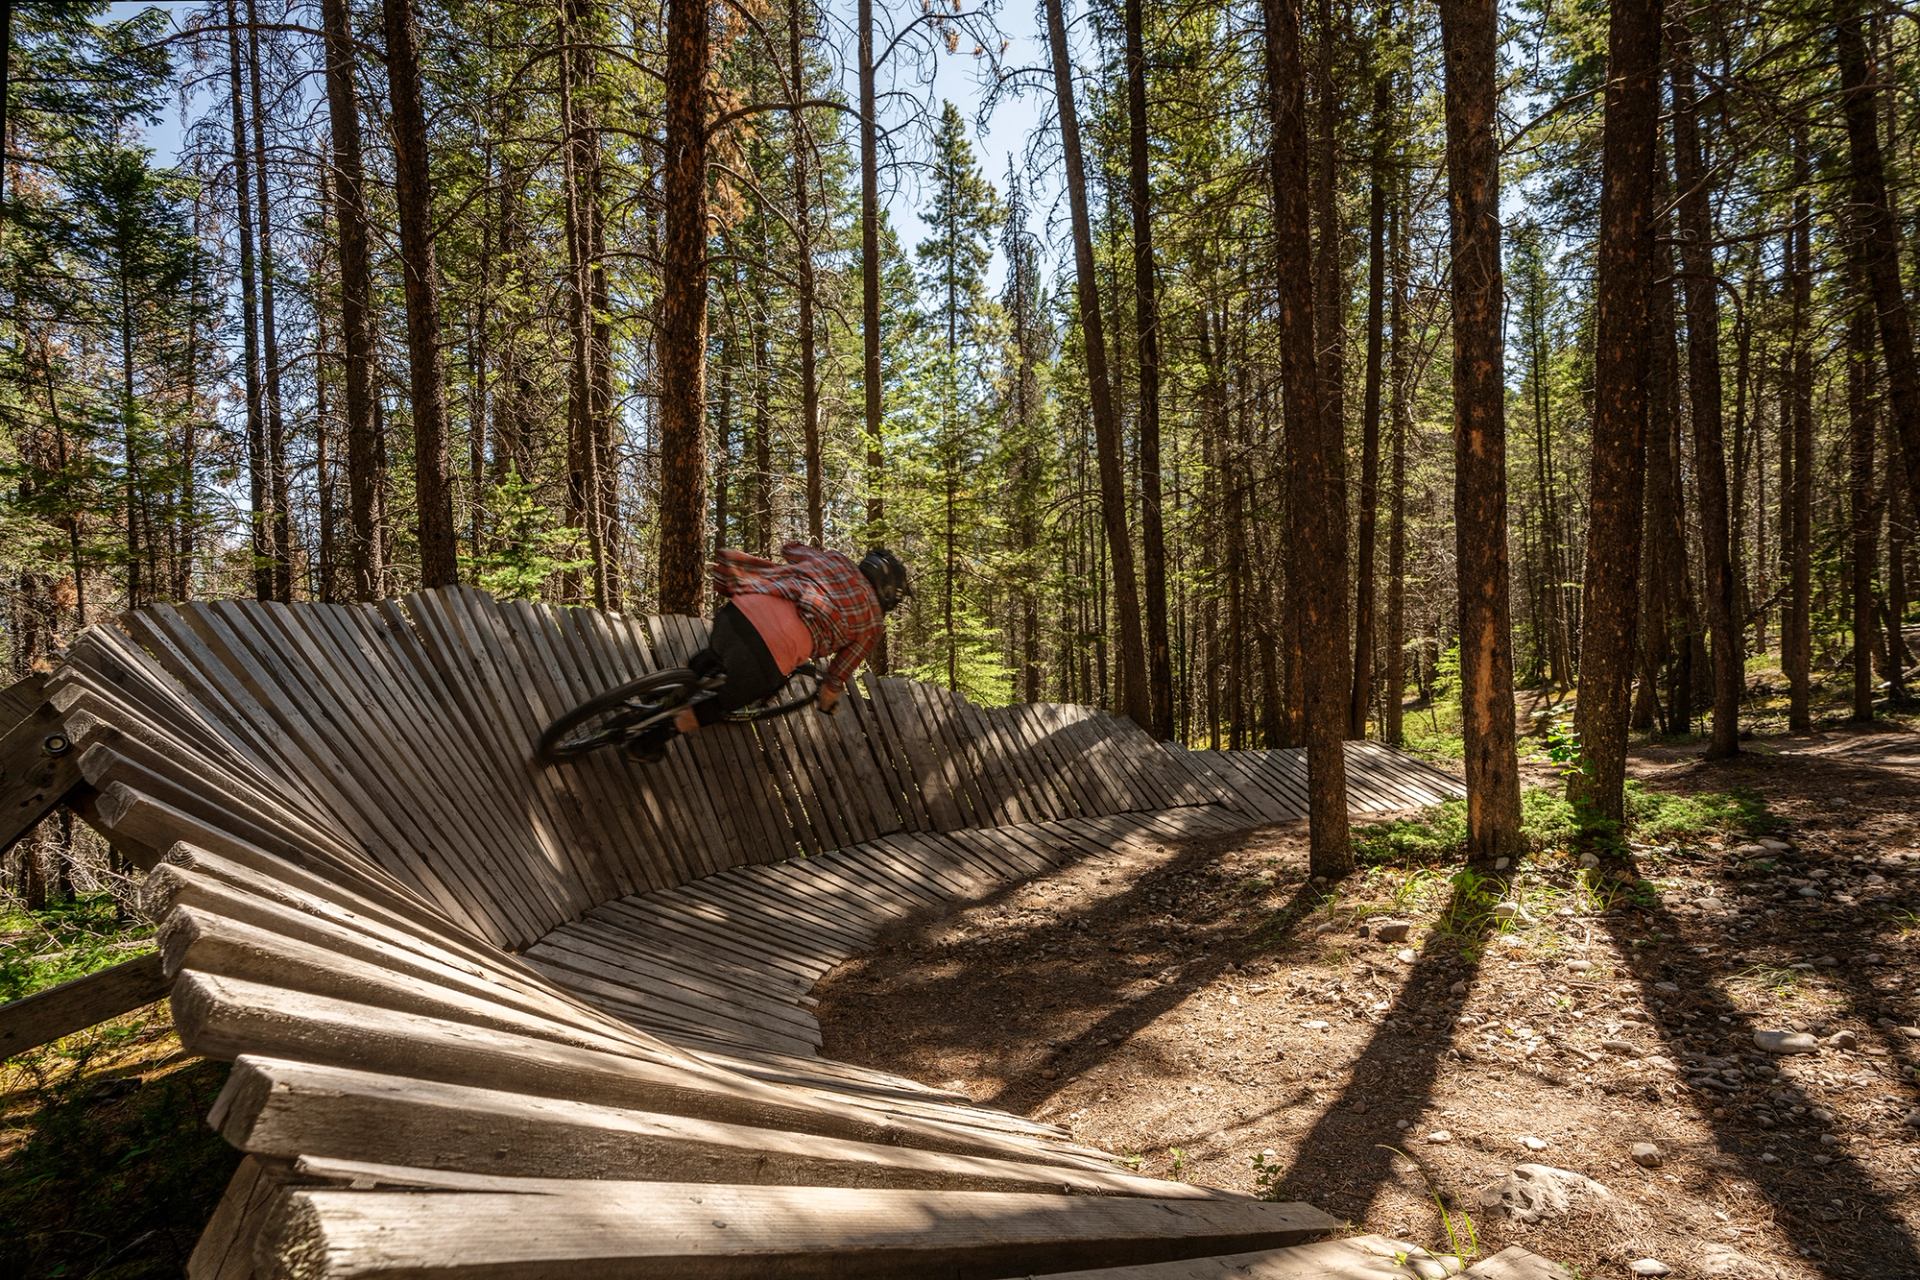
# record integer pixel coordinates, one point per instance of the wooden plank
(625, 850)
(1355, 1258)
(694, 936)
(275, 1107)
(433, 641)
(38, 769)
(225, 1017)
(75, 1005)
(890, 752)
(327, 705)
(213, 928)
(288, 898)
(492, 642)
(20, 699)
(225, 1248)
(393, 830)
(776, 1233)
(211, 946)
(428, 727)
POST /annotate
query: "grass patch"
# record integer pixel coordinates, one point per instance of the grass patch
(40, 949)
(1548, 821)
(1661, 816)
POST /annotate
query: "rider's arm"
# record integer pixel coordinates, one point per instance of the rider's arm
(848, 660)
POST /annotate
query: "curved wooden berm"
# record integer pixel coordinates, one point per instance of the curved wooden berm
(494, 1019)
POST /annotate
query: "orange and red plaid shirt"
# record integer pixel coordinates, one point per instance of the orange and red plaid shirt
(834, 598)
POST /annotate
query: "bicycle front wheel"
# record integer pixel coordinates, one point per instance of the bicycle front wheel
(613, 716)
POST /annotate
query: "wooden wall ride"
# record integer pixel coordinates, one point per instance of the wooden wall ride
(492, 1018)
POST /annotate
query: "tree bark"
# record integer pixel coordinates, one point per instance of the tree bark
(1400, 416)
(1799, 438)
(1701, 288)
(1317, 499)
(1617, 476)
(1381, 179)
(870, 300)
(259, 487)
(1153, 538)
(682, 332)
(1106, 422)
(364, 479)
(577, 157)
(280, 537)
(1880, 241)
(803, 254)
(433, 490)
(1468, 36)
(1862, 508)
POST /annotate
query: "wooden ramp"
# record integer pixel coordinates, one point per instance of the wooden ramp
(491, 1018)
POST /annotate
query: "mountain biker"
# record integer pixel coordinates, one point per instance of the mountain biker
(818, 604)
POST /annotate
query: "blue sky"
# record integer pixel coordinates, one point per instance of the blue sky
(1003, 139)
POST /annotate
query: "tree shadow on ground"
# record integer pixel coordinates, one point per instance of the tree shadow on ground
(1145, 965)
(113, 1172)
(1395, 1075)
(1093, 1043)
(1800, 1168)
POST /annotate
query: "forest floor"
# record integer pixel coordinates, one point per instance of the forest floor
(1408, 1040)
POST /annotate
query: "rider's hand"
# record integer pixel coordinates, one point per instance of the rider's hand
(827, 700)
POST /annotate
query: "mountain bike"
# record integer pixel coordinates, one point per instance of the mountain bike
(618, 716)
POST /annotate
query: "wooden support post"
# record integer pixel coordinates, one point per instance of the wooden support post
(74, 1006)
(38, 768)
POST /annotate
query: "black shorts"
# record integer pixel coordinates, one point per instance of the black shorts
(735, 647)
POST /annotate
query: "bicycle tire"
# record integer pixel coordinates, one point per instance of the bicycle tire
(555, 746)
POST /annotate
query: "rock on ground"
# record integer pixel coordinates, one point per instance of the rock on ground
(1537, 1192)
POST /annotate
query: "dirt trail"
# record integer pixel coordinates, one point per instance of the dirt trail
(1197, 1005)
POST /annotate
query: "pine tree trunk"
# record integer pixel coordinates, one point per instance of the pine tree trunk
(1361, 703)
(870, 300)
(582, 481)
(1617, 477)
(1862, 508)
(1317, 499)
(1799, 498)
(1400, 416)
(259, 487)
(803, 255)
(365, 562)
(1329, 265)
(1881, 242)
(1668, 638)
(433, 491)
(1106, 422)
(280, 536)
(682, 334)
(1702, 293)
(760, 487)
(1896, 595)
(1153, 538)
(1480, 433)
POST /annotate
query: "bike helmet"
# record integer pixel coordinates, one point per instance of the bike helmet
(887, 576)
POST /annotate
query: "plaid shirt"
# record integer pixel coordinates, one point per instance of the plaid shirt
(833, 596)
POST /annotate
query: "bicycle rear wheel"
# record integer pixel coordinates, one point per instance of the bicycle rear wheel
(614, 716)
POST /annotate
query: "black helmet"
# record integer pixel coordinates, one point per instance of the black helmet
(887, 576)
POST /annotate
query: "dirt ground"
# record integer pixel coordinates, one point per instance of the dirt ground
(1201, 1009)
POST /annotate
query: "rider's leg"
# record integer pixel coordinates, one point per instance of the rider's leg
(734, 647)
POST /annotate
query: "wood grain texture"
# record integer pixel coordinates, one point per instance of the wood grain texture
(497, 1018)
